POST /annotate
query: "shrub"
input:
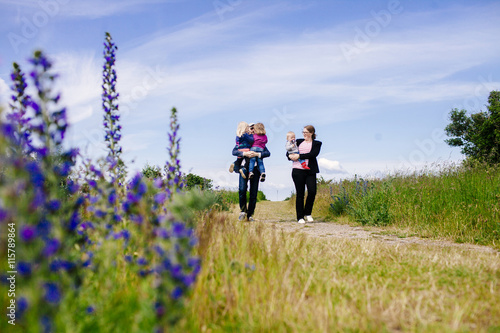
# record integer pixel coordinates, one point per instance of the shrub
(151, 172)
(193, 180)
(371, 205)
(340, 202)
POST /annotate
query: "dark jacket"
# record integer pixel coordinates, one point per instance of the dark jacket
(311, 156)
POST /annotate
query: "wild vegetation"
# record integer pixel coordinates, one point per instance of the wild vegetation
(460, 203)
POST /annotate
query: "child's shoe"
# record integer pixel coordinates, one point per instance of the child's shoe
(263, 177)
(231, 168)
(242, 173)
(250, 175)
(304, 165)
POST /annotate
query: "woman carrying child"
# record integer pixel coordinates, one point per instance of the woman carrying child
(309, 149)
(247, 211)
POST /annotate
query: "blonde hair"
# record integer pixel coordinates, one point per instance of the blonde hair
(242, 128)
(290, 133)
(259, 129)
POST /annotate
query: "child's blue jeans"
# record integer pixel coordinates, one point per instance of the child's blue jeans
(259, 161)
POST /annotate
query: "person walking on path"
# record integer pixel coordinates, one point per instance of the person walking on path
(248, 211)
(309, 149)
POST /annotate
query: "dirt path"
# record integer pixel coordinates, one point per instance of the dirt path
(283, 217)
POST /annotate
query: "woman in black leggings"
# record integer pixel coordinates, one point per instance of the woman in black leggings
(309, 149)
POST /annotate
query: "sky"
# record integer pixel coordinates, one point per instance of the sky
(377, 79)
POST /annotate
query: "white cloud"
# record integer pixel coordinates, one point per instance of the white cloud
(330, 166)
(79, 83)
(411, 64)
(4, 93)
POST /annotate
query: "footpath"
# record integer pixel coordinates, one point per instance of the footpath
(281, 215)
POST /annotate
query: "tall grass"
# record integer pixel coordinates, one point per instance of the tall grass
(460, 203)
(257, 279)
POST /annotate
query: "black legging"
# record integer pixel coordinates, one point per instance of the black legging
(301, 179)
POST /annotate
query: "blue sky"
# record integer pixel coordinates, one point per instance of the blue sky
(376, 78)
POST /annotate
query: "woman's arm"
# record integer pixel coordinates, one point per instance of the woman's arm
(316, 147)
(265, 153)
(236, 152)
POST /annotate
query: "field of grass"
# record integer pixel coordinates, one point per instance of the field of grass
(457, 203)
(256, 279)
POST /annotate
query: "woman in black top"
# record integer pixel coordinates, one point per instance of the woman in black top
(309, 149)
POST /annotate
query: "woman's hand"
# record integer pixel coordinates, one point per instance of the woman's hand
(294, 157)
(250, 154)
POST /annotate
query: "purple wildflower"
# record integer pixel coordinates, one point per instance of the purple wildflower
(159, 309)
(22, 306)
(161, 232)
(53, 205)
(28, 233)
(176, 272)
(125, 234)
(43, 228)
(24, 268)
(100, 214)
(160, 198)
(110, 107)
(46, 324)
(52, 293)
(142, 261)
(3, 214)
(74, 221)
(137, 218)
(51, 247)
(55, 265)
(176, 293)
(112, 197)
(178, 229)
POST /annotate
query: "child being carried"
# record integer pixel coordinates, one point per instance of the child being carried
(244, 141)
(259, 144)
(291, 147)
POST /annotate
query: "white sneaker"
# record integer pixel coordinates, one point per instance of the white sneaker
(301, 221)
(309, 218)
(242, 216)
(250, 219)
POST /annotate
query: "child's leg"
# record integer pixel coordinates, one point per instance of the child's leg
(260, 162)
(251, 164)
(304, 164)
(237, 164)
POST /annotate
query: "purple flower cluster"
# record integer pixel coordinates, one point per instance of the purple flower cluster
(172, 264)
(18, 129)
(40, 198)
(62, 225)
(110, 107)
(174, 180)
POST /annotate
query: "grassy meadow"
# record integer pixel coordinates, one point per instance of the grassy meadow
(258, 279)
(457, 203)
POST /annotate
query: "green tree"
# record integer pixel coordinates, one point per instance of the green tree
(193, 180)
(151, 171)
(479, 133)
